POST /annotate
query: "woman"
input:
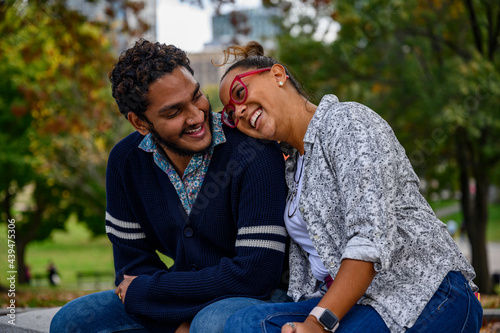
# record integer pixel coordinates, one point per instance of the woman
(368, 254)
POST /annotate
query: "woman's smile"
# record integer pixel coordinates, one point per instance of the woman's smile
(255, 116)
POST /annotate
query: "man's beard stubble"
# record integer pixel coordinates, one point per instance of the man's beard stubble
(161, 143)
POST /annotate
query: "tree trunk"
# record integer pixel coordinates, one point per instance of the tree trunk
(6, 204)
(21, 266)
(29, 236)
(474, 206)
(480, 254)
(477, 235)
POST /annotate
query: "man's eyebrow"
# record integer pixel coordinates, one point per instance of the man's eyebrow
(166, 108)
(196, 90)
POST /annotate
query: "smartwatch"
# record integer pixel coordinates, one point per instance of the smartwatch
(326, 318)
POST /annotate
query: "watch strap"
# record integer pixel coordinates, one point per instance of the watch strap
(318, 312)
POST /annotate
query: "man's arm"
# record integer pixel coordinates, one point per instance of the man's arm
(253, 271)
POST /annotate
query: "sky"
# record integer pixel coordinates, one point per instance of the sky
(186, 26)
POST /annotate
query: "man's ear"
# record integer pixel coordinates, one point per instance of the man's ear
(140, 125)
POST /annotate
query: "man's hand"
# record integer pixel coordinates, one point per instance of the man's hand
(184, 328)
(121, 290)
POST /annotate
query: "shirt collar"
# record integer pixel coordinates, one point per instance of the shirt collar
(324, 107)
(314, 125)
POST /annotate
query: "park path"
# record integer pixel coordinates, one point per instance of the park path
(492, 248)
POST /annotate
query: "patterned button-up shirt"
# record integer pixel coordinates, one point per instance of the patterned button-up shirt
(360, 200)
(189, 185)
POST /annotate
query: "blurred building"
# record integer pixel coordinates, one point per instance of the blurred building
(98, 10)
(205, 71)
(260, 24)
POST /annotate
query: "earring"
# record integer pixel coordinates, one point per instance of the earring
(280, 84)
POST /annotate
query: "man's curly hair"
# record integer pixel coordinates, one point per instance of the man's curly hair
(137, 68)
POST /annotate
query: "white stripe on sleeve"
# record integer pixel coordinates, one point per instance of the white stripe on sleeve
(125, 235)
(122, 224)
(261, 243)
(263, 229)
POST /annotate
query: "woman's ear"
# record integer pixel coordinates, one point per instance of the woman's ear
(279, 73)
(140, 125)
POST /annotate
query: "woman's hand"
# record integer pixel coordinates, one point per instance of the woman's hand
(351, 282)
(308, 326)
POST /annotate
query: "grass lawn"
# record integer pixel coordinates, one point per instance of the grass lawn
(493, 233)
(442, 203)
(72, 251)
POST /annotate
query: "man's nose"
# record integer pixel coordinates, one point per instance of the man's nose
(196, 116)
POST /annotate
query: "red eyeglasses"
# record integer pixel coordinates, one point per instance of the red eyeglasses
(237, 95)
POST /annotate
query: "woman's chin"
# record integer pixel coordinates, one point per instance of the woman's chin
(261, 131)
(267, 134)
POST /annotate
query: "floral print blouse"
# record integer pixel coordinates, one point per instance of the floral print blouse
(360, 200)
(188, 186)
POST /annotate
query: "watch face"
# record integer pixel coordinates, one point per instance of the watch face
(328, 319)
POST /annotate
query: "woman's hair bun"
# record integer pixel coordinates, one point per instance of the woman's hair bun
(251, 49)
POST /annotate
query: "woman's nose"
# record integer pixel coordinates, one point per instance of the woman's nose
(239, 110)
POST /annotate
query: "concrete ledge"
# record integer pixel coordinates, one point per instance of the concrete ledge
(28, 321)
(489, 314)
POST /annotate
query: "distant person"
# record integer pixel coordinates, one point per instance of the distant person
(54, 278)
(207, 196)
(368, 254)
(452, 227)
(27, 274)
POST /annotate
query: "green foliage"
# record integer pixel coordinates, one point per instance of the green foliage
(416, 63)
(57, 116)
(212, 93)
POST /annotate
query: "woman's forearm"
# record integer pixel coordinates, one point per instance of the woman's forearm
(351, 282)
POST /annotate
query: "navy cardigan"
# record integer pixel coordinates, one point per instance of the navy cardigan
(231, 244)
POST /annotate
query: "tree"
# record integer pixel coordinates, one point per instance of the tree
(57, 119)
(431, 68)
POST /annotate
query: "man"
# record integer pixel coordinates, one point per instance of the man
(209, 197)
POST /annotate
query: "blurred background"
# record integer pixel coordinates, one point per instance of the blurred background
(431, 68)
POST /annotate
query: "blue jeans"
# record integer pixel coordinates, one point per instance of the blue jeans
(103, 312)
(98, 312)
(453, 308)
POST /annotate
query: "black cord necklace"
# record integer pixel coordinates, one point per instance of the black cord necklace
(295, 189)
